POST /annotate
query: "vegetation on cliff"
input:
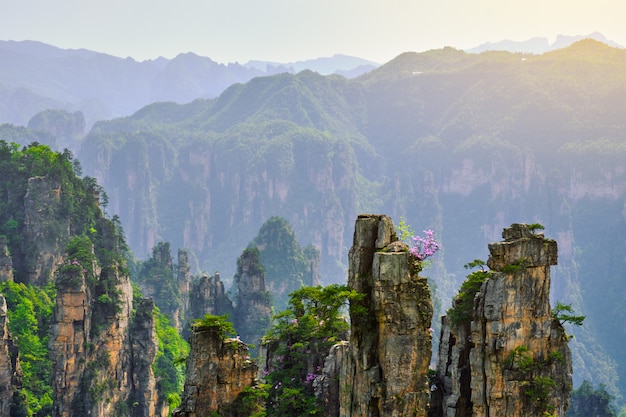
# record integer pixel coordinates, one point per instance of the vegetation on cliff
(17, 166)
(169, 366)
(299, 341)
(463, 303)
(589, 401)
(29, 309)
(287, 265)
(89, 252)
(157, 279)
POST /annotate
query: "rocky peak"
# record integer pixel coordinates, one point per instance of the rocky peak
(184, 279)
(511, 358)
(207, 295)
(386, 366)
(254, 309)
(144, 346)
(218, 370)
(157, 279)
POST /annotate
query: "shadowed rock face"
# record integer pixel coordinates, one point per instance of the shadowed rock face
(386, 365)
(254, 309)
(6, 263)
(512, 359)
(46, 230)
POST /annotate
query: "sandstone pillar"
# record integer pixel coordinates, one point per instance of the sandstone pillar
(390, 344)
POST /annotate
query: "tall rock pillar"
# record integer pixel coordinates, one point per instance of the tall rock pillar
(385, 371)
(521, 363)
(254, 308)
(218, 370)
(511, 357)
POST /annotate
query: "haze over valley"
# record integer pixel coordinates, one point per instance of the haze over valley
(254, 173)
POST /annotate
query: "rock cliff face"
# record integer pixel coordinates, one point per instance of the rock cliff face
(254, 309)
(95, 370)
(208, 296)
(512, 357)
(386, 364)
(327, 387)
(6, 263)
(218, 370)
(144, 346)
(221, 198)
(183, 275)
(99, 359)
(46, 230)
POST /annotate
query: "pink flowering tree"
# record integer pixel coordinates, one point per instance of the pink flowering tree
(422, 248)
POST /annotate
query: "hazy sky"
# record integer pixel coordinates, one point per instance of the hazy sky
(291, 30)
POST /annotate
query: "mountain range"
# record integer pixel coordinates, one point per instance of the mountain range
(461, 143)
(36, 76)
(539, 45)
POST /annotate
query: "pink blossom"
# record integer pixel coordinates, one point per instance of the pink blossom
(424, 247)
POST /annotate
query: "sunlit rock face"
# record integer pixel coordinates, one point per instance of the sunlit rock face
(512, 358)
(101, 356)
(218, 370)
(386, 366)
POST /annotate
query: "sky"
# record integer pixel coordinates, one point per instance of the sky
(293, 30)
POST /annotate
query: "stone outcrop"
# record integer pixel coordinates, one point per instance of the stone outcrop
(512, 358)
(46, 230)
(207, 295)
(218, 369)
(157, 279)
(386, 365)
(327, 387)
(94, 368)
(183, 275)
(144, 346)
(6, 263)
(90, 352)
(254, 308)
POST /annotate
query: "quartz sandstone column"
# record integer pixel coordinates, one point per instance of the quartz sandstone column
(512, 359)
(386, 366)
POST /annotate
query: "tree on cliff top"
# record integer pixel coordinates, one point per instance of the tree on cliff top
(157, 279)
(298, 343)
(287, 267)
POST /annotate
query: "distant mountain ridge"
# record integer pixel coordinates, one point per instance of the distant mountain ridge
(336, 64)
(539, 45)
(36, 76)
